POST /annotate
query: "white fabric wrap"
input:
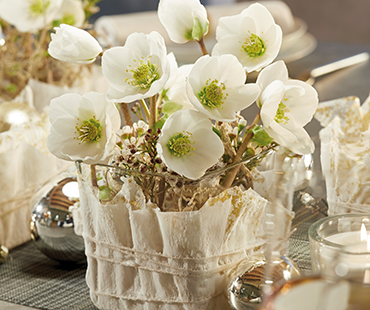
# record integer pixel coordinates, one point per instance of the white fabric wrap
(142, 258)
(43, 92)
(345, 154)
(25, 165)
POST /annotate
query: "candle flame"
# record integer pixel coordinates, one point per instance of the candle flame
(364, 237)
(366, 279)
(363, 233)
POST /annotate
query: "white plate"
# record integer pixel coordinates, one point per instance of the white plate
(299, 49)
(300, 28)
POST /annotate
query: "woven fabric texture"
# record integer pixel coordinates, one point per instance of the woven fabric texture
(29, 278)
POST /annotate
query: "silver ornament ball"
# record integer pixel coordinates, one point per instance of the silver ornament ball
(52, 226)
(246, 290)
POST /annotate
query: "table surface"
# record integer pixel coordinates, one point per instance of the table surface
(354, 81)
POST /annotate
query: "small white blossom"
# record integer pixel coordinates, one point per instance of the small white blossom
(188, 145)
(73, 45)
(183, 20)
(138, 70)
(140, 127)
(216, 87)
(286, 107)
(125, 131)
(29, 15)
(252, 36)
(83, 127)
(242, 122)
(71, 13)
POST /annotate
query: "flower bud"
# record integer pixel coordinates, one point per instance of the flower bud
(71, 44)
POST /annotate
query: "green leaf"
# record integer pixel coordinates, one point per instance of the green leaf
(164, 94)
(198, 30)
(56, 23)
(170, 107)
(248, 153)
(159, 124)
(12, 88)
(104, 193)
(217, 131)
(260, 136)
(240, 128)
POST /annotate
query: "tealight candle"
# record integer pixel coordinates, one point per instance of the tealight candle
(329, 235)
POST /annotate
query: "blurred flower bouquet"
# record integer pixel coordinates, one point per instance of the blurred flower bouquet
(189, 150)
(29, 78)
(24, 28)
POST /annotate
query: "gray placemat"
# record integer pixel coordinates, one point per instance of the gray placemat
(307, 211)
(29, 278)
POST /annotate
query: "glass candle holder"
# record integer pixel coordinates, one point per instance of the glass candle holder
(344, 285)
(329, 235)
(352, 265)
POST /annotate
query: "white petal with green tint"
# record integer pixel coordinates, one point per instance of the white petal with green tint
(83, 127)
(252, 36)
(71, 13)
(216, 87)
(188, 145)
(138, 70)
(183, 20)
(286, 107)
(29, 15)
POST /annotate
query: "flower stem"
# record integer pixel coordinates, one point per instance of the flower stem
(145, 108)
(246, 139)
(153, 112)
(203, 46)
(94, 180)
(126, 114)
(238, 156)
(159, 100)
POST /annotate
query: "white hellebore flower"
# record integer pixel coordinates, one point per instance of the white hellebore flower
(71, 13)
(188, 145)
(216, 87)
(73, 45)
(137, 70)
(83, 127)
(29, 15)
(174, 92)
(183, 20)
(286, 107)
(252, 36)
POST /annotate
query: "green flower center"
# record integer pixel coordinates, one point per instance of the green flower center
(254, 46)
(89, 131)
(68, 19)
(38, 7)
(212, 95)
(181, 144)
(280, 117)
(143, 75)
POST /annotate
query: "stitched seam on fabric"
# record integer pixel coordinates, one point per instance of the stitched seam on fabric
(123, 248)
(130, 297)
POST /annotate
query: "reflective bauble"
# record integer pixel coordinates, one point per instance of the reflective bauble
(52, 227)
(13, 113)
(246, 290)
(4, 252)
